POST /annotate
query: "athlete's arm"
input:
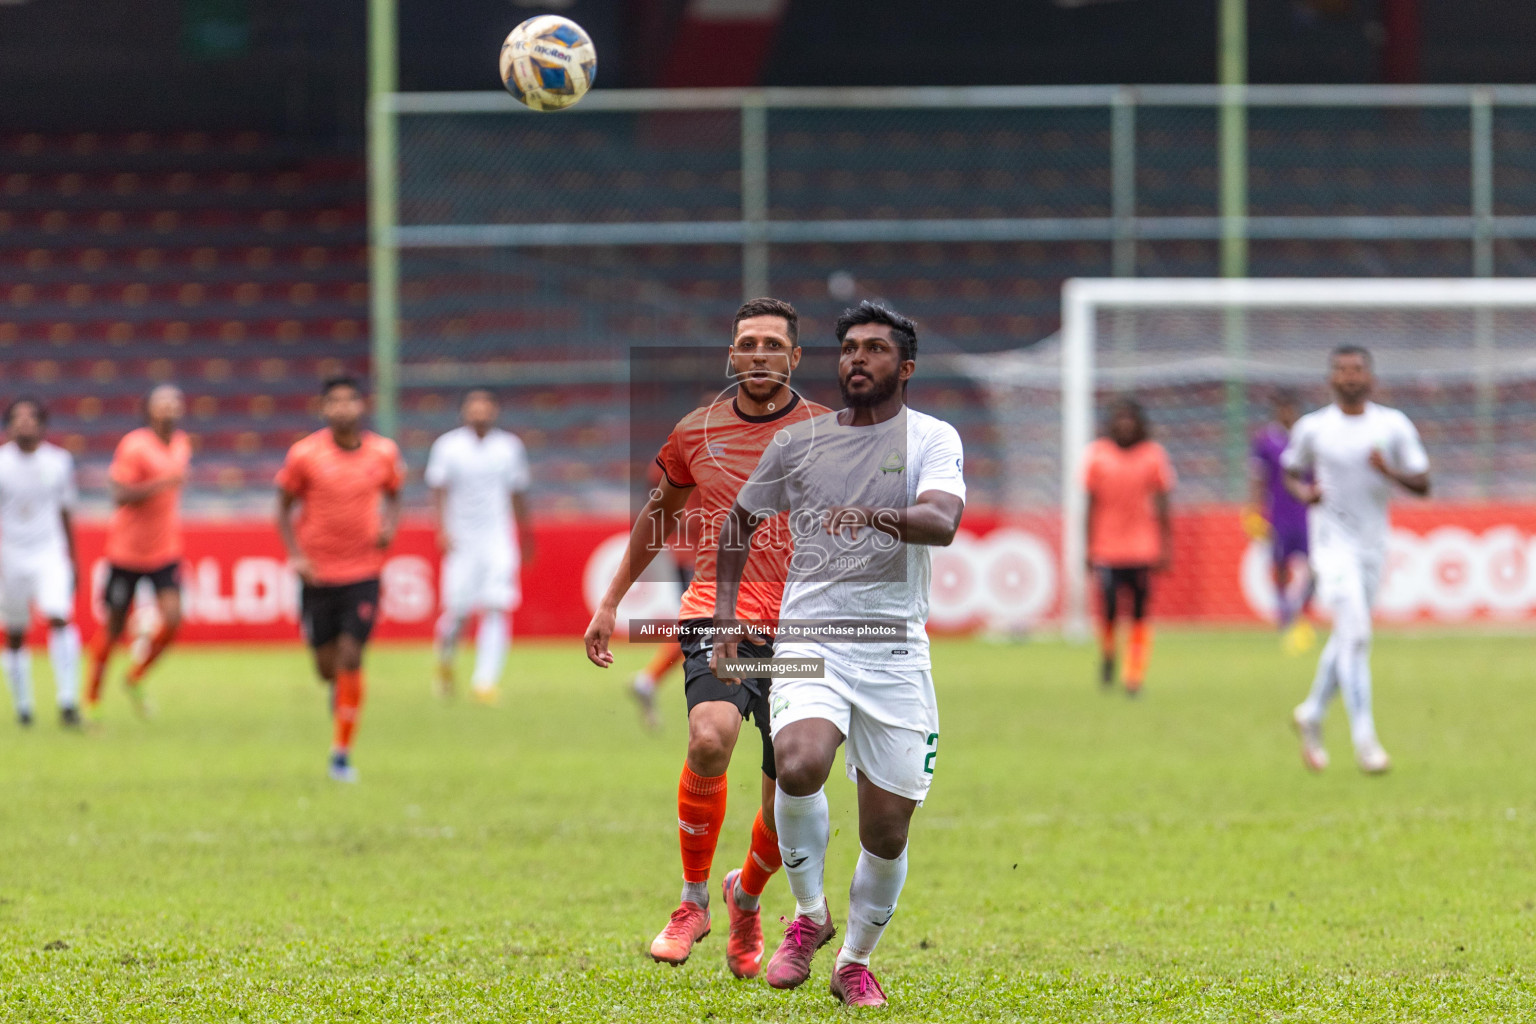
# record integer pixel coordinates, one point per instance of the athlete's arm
(653, 526)
(932, 521)
(1089, 508)
(730, 564)
(1414, 483)
(137, 494)
(524, 520)
(1301, 490)
(68, 523)
(296, 558)
(389, 522)
(439, 496)
(1165, 531)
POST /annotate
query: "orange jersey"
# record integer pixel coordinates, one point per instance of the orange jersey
(339, 524)
(147, 535)
(1123, 483)
(714, 450)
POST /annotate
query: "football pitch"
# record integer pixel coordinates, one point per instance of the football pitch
(1082, 857)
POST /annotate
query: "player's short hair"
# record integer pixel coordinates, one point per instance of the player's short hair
(38, 409)
(1285, 396)
(1352, 350)
(472, 392)
(1137, 411)
(903, 330)
(344, 380)
(767, 306)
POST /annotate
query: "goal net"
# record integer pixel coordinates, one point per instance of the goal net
(1207, 358)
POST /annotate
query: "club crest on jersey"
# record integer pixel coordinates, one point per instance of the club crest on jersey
(893, 462)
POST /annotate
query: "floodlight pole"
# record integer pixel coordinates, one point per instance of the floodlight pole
(383, 255)
(1234, 223)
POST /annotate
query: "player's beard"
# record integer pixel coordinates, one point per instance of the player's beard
(880, 391)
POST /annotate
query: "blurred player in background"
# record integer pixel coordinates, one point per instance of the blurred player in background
(148, 472)
(870, 490)
(479, 478)
(1355, 452)
(1274, 515)
(711, 452)
(37, 557)
(347, 481)
(1128, 477)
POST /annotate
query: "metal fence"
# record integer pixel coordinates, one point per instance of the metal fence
(532, 250)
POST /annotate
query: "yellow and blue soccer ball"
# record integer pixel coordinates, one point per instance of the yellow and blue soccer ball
(548, 62)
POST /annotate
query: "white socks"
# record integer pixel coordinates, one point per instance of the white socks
(1324, 684)
(64, 653)
(804, 829)
(18, 671)
(1354, 672)
(871, 902)
(490, 650)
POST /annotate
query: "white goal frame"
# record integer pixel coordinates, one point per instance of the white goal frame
(1083, 298)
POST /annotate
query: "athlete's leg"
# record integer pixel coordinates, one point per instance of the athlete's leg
(884, 820)
(491, 643)
(1109, 607)
(348, 701)
(804, 751)
(64, 655)
(18, 672)
(1352, 631)
(457, 607)
(701, 793)
(168, 603)
(1140, 648)
(118, 597)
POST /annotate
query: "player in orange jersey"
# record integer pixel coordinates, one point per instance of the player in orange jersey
(147, 473)
(347, 481)
(709, 455)
(1128, 477)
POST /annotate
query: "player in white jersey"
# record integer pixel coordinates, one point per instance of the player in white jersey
(1355, 452)
(868, 490)
(37, 557)
(479, 478)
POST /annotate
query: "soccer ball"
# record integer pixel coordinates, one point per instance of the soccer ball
(548, 62)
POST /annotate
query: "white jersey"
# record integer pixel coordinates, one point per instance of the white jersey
(819, 463)
(1336, 448)
(478, 475)
(35, 489)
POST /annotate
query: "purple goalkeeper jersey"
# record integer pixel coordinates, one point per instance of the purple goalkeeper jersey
(1286, 515)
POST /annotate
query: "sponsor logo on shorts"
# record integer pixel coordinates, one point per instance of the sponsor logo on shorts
(365, 611)
(779, 705)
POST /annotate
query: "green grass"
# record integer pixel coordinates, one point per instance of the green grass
(1081, 857)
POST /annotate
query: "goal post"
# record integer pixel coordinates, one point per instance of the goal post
(1459, 353)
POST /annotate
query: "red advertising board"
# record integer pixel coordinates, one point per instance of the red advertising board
(1447, 563)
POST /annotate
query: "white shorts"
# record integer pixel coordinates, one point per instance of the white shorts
(44, 580)
(888, 716)
(480, 580)
(1346, 576)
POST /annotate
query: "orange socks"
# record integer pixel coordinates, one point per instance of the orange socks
(349, 701)
(157, 646)
(1107, 638)
(762, 861)
(700, 813)
(1136, 656)
(665, 657)
(101, 650)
